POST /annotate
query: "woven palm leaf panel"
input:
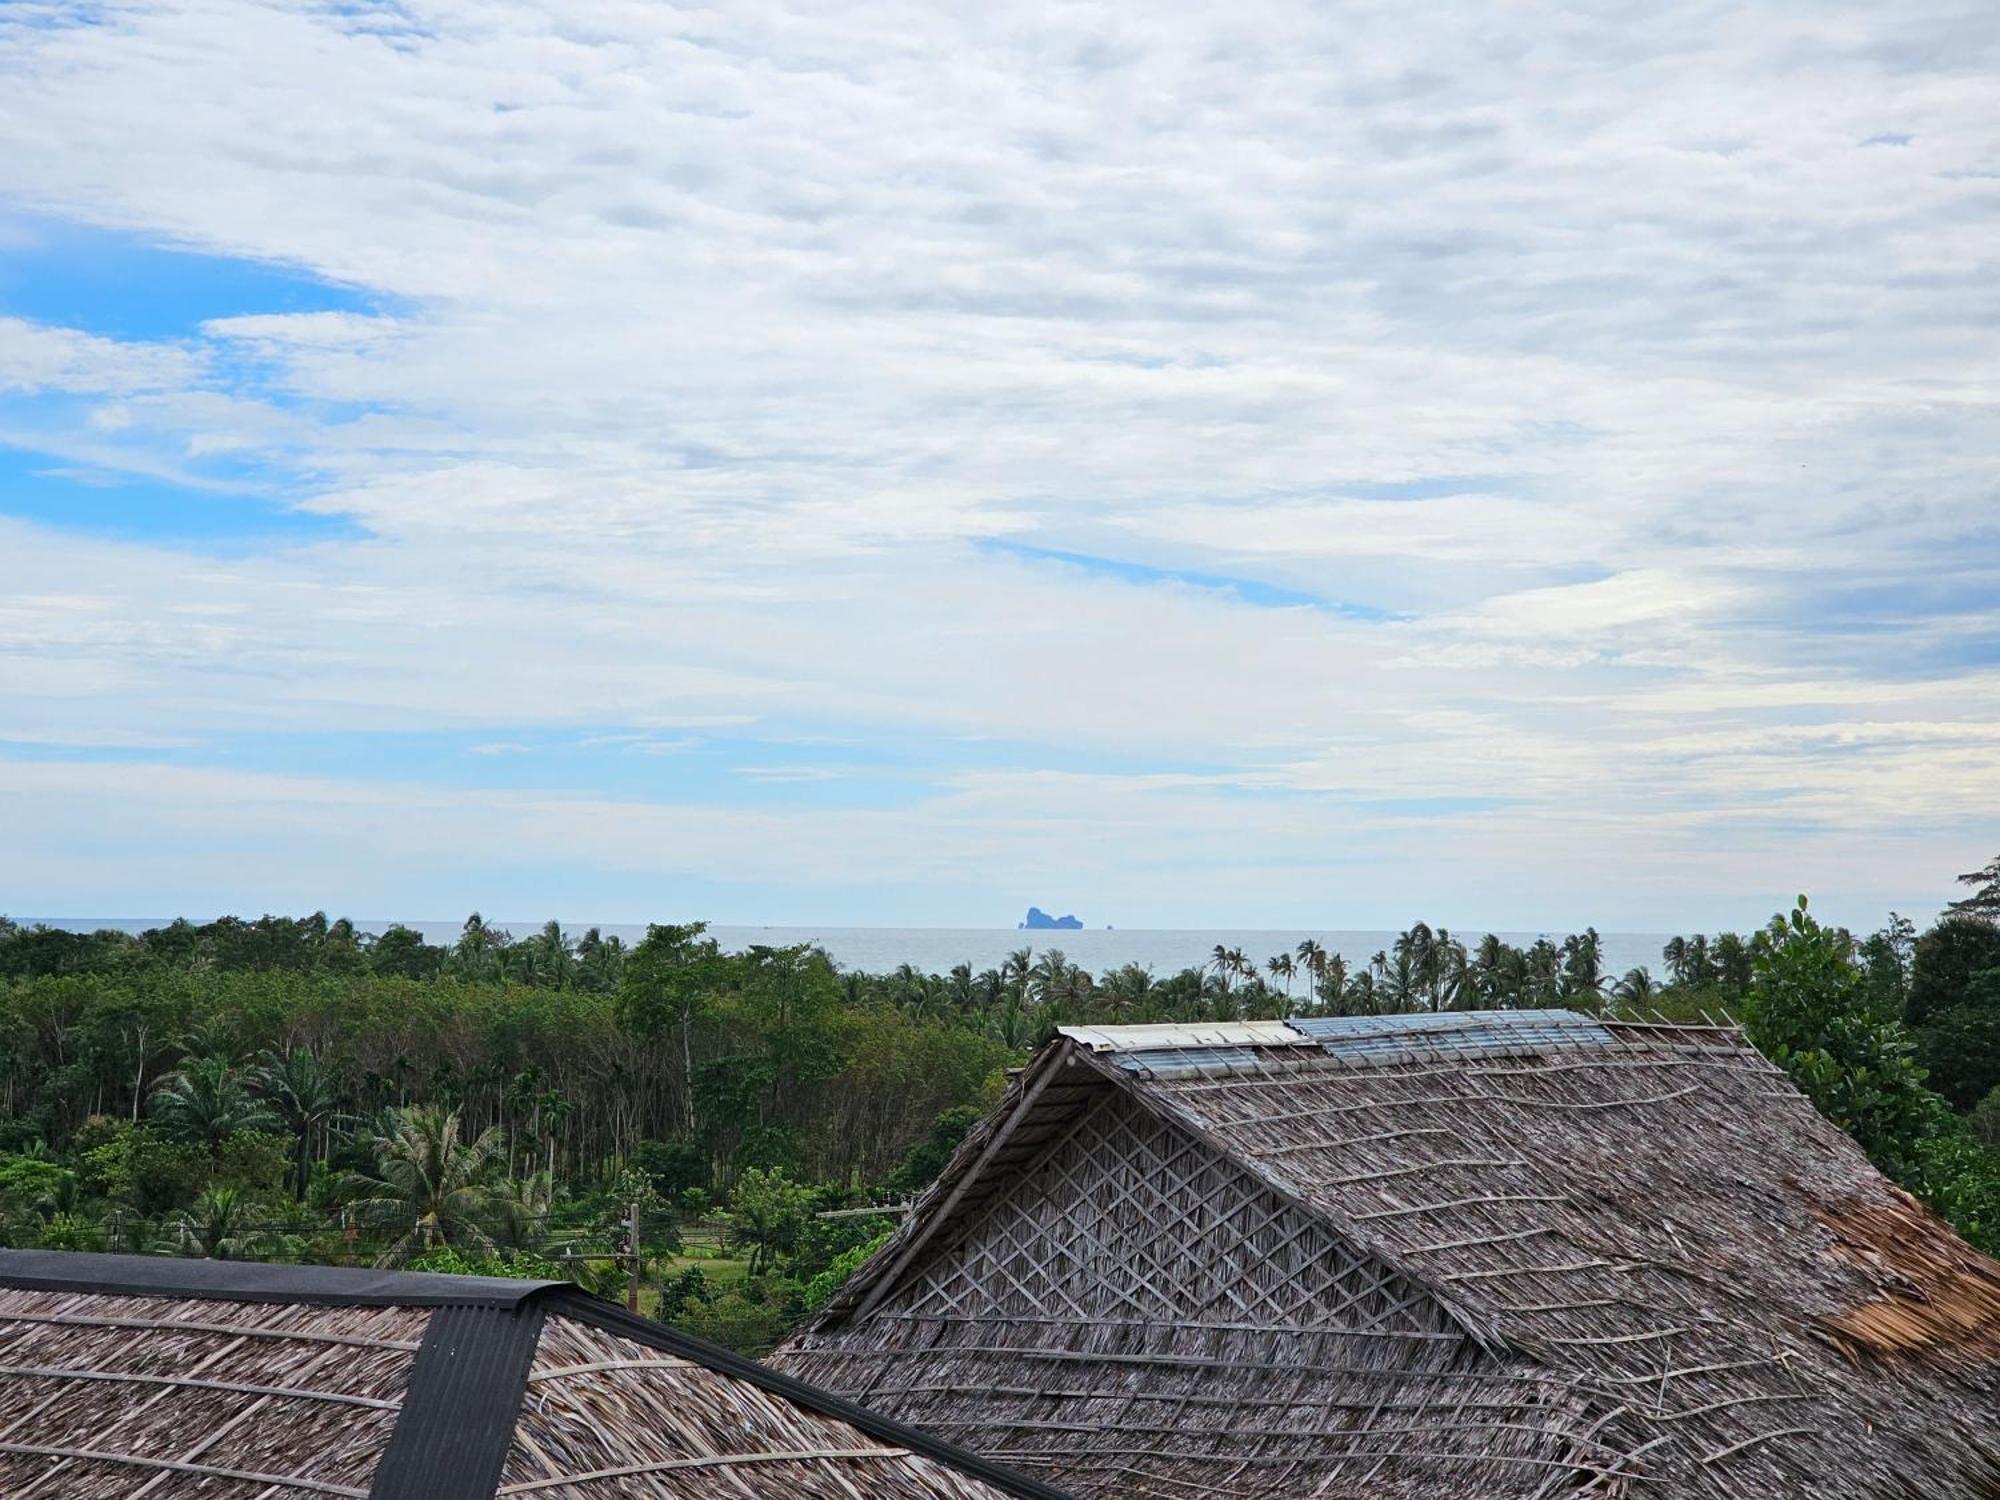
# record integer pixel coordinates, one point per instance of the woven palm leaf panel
(1138, 1316)
(1486, 1254)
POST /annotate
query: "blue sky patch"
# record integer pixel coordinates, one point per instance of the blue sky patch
(126, 286)
(1247, 590)
(52, 492)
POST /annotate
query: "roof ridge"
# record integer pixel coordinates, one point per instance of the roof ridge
(259, 1281)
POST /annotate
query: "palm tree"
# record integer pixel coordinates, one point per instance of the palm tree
(520, 1212)
(429, 1187)
(1451, 971)
(218, 1226)
(1282, 967)
(1330, 986)
(960, 990)
(1583, 969)
(1636, 988)
(1701, 968)
(1240, 964)
(1675, 955)
(1222, 963)
(478, 952)
(305, 1094)
(1311, 959)
(1124, 990)
(547, 959)
(1016, 971)
(206, 1101)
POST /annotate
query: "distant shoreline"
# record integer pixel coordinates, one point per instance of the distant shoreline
(936, 950)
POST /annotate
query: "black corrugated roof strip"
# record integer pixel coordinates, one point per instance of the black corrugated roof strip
(463, 1400)
(466, 1384)
(252, 1281)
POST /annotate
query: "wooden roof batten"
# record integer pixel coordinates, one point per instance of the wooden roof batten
(1630, 1252)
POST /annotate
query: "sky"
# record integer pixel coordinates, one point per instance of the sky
(1272, 465)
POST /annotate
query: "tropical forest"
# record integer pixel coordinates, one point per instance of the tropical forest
(720, 1137)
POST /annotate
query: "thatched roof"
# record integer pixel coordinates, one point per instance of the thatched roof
(123, 1376)
(1522, 1254)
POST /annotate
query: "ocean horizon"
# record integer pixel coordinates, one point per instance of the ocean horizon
(936, 950)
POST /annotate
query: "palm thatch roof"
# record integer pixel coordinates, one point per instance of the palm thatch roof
(122, 1376)
(1500, 1254)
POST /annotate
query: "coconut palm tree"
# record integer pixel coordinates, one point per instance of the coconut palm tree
(1636, 988)
(1241, 965)
(1583, 979)
(207, 1100)
(1017, 971)
(1222, 963)
(1675, 956)
(960, 990)
(520, 1212)
(1282, 967)
(1330, 984)
(305, 1094)
(430, 1188)
(219, 1225)
(1124, 991)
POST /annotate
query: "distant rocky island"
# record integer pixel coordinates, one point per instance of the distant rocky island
(1041, 921)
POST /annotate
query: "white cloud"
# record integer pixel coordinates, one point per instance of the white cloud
(1592, 349)
(34, 359)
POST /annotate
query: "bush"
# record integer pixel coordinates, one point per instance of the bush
(255, 1160)
(821, 1288)
(142, 1169)
(522, 1266)
(749, 1321)
(682, 1292)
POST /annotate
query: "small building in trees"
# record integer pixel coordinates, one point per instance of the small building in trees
(1520, 1254)
(126, 1376)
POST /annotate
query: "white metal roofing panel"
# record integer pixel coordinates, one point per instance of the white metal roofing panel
(1193, 1034)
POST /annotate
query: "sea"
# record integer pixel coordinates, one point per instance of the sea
(935, 950)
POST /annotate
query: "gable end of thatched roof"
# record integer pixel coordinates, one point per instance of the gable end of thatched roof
(1646, 1217)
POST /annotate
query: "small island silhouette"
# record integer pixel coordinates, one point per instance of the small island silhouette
(1041, 921)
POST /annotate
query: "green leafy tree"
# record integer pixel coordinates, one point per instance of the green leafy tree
(666, 988)
(1809, 1012)
(766, 1215)
(1985, 898)
(1945, 960)
(920, 1167)
(1960, 1047)
(822, 1287)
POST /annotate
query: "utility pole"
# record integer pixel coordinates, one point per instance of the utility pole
(632, 1246)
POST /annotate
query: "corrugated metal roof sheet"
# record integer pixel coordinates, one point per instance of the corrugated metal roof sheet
(1168, 1062)
(1193, 1034)
(1365, 1040)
